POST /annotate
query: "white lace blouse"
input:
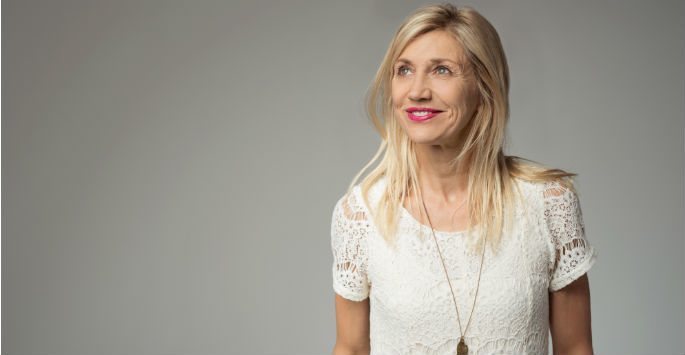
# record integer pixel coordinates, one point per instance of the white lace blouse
(411, 307)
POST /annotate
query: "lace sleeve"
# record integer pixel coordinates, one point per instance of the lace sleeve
(574, 255)
(348, 242)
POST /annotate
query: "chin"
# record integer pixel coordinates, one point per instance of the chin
(423, 139)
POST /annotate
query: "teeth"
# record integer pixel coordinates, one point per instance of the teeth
(420, 113)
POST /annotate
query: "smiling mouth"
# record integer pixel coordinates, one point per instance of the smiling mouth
(420, 116)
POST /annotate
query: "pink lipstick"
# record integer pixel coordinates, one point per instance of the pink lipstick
(420, 114)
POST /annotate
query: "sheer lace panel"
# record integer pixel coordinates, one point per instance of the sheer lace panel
(349, 230)
(573, 254)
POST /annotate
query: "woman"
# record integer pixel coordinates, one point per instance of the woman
(448, 245)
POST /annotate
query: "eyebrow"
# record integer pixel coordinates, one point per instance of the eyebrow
(433, 60)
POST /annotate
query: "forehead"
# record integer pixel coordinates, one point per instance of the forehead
(434, 44)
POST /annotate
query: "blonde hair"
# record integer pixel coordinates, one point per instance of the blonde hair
(490, 172)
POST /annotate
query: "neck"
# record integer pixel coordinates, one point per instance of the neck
(438, 179)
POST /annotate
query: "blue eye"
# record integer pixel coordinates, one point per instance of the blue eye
(399, 70)
(442, 70)
(444, 67)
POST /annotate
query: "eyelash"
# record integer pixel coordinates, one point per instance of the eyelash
(399, 70)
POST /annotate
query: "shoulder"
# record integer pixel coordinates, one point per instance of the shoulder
(560, 198)
(528, 192)
(561, 211)
(552, 202)
(357, 200)
(348, 207)
(351, 209)
(550, 191)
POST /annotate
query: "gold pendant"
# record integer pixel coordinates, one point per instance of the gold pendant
(462, 349)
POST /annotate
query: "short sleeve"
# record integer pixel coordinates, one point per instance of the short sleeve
(349, 230)
(574, 255)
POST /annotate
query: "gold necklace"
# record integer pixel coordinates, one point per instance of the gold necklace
(462, 349)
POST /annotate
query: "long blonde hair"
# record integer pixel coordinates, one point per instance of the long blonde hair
(491, 173)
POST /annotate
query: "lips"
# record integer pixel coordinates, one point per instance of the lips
(419, 114)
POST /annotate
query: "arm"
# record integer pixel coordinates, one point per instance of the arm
(352, 323)
(569, 318)
(569, 288)
(349, 230)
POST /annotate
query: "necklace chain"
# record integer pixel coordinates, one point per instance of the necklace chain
(461, 342)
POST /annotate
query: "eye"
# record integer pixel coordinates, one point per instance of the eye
(400, 70)
(442, 67)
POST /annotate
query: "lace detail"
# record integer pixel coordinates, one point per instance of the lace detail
(411, 307)
(349, 230)
(563, 216)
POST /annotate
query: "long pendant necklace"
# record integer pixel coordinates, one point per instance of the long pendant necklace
(462, 349)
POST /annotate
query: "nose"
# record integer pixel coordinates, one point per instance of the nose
(419, 90)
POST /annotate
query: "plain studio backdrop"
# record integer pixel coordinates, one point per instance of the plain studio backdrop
(170, 167)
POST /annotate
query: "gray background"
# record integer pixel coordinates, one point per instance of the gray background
(170, 167)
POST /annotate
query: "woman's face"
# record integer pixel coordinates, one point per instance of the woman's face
(434, 91)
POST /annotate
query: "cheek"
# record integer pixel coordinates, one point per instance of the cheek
(473, 95)
(396, 94)
(466, 99)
